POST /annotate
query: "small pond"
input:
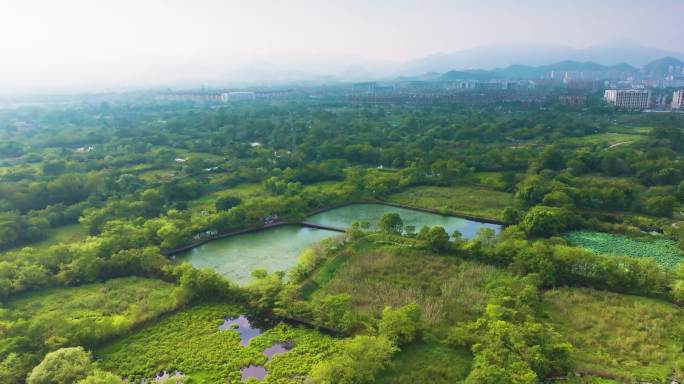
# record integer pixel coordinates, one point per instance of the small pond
(273, 249)
(164, 376)
(345, 216)
(243, 327)
(249, 328)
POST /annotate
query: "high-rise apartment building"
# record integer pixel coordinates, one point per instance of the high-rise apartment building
(628, 98)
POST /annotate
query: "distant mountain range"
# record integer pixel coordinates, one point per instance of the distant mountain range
(502, 56)
(659, 68)
(507, 61)
(655, 69)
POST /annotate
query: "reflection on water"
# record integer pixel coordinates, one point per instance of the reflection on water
(247, 330)
(347, 215)
(242, 326)
(273, 249)
(259, 371)
(277, 249)
(256, 371)
(276, 349)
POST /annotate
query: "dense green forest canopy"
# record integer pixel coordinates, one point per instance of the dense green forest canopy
(94, 199)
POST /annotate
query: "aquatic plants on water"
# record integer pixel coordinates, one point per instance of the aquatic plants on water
(663, 251)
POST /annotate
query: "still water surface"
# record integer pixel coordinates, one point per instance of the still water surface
(277, 249)
(273, 249)
(345, 216)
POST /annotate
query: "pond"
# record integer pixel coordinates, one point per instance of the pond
(273, 249)
(243, 327)
(345, 216)
(247, 329)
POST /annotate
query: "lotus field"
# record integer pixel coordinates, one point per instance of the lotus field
(664, 251)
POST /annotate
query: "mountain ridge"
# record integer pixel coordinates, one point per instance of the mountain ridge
(501, 56)
(521, 71)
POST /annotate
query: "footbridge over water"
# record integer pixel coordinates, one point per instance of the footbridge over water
(322, 226)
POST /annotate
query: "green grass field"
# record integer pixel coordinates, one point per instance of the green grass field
(493, 180)
(324, 186)
(448, 290)
(664, 251)
(427, 363)
(468, 200)
(617, 336)
(190, 341)
(243, 191)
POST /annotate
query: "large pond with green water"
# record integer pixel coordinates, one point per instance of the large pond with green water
(273, 249)
(345, 216)
(277, 249)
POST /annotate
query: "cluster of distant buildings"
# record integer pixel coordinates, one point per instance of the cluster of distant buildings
(222, 96)
(640, 99)
(470, 92)
(567, 83)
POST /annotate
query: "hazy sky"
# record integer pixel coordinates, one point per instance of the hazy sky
(52, 44)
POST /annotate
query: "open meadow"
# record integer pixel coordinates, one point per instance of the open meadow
(468, 200)
(447, 289)
(617, 336)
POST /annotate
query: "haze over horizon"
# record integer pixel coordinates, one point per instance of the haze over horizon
(84, 45)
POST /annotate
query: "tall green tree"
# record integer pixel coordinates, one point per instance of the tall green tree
(391, 223)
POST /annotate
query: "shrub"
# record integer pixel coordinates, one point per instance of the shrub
(401, 325)
(63, 366)
(359, 360)
(436, 238)
(391, 223)
(225, 203)
(547, 221)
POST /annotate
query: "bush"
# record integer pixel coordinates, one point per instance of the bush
(391, 223)
(102, 377)
(547, 221)
(359, 360)
(401, 325)
(202, 284)
(225, 203)
(63, 366)
(435, 238)
(511, 215)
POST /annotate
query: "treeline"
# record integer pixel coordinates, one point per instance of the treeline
(283, 145)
